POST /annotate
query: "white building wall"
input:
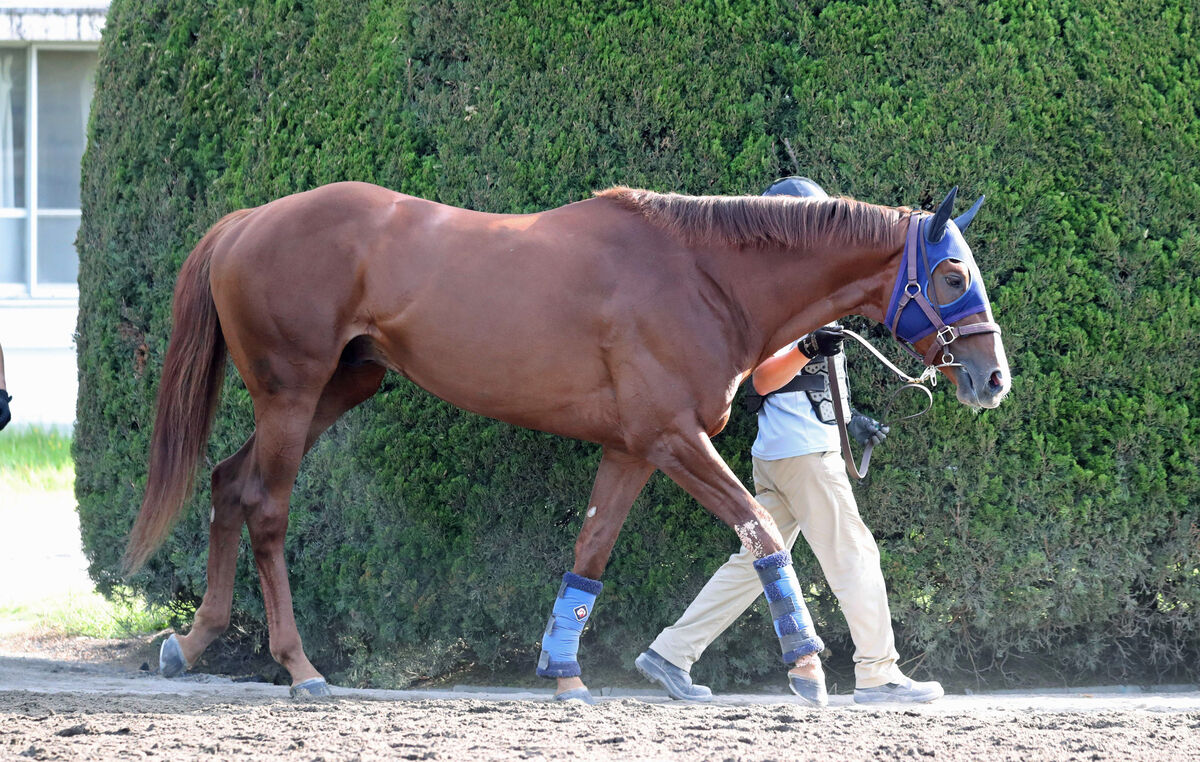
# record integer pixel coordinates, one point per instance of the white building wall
(37, 335)
(41, 21)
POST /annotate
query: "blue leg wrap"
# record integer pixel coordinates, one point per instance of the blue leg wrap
(560, 641)
(793, 624)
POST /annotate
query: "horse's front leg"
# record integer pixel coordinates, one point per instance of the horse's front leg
(618, 482)
(694, 464)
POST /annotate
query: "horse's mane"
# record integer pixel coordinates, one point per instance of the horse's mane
(787, 221)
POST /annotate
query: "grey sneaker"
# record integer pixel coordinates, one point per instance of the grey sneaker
(678, 682)
(903, 691)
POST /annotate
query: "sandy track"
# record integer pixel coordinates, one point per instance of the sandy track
(77, 726)
(70, 711)
(83, 699)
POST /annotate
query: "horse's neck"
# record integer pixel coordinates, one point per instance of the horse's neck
(786, 294)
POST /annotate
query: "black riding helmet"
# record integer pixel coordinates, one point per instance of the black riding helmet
(796, 186)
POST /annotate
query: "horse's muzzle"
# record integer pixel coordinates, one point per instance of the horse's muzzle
(982, 388)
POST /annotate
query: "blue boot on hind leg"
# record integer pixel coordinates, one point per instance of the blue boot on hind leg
(560, 641)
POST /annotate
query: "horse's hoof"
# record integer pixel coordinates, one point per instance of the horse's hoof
(576, 694)
(170, 658)
(313, 688)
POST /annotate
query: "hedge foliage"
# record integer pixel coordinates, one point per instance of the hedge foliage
(1053, 539)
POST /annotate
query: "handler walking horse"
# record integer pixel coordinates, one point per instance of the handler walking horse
(628, 319)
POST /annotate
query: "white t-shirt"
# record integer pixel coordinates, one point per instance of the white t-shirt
(788, 426)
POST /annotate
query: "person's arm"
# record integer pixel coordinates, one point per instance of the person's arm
(777, 370)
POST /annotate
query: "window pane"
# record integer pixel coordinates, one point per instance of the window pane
(12, 251)
(57, 261)
(13, 77)
(64, 80)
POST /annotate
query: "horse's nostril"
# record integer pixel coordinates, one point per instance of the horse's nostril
(996, 380)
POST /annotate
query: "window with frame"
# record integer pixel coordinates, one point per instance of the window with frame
(45, 94)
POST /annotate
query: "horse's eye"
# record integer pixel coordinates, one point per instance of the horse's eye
(954, 281)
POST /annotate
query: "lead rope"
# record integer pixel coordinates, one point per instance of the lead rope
(910, 382)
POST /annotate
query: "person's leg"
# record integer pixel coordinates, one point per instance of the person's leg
(829, 519)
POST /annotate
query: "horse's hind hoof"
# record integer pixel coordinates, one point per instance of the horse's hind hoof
(582, 695)
(313, 688)
(170, 658)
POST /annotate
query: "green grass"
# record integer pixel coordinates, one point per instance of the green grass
(36, 459)
(88, 614)
(33, 460)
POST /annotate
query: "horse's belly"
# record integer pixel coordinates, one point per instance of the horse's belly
(518, 363)
(559, 401)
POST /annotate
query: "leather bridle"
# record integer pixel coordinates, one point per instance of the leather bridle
(914, 291)
(911, 290)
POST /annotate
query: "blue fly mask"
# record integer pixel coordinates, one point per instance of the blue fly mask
(912, 313)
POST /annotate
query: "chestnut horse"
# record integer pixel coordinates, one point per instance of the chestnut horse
(628, 319)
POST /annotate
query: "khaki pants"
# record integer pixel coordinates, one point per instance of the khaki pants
(808, 495)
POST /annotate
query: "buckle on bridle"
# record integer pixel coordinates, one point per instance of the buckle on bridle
(944, 332)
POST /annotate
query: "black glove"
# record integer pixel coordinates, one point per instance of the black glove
(823, 341)
(866, 429)
(5, 416)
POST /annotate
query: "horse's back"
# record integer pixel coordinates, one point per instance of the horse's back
(505, 315)
(508, 315)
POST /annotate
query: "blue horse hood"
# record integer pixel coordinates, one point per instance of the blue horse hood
(914, 325)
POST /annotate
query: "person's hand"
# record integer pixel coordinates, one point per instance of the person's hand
(823, 341)
(5, 415)
(866, 430)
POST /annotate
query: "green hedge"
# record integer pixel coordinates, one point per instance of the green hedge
(1052, 539)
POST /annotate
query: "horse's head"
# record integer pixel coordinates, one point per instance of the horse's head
(940, 306)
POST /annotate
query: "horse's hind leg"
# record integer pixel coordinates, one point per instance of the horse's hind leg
(350, 385)
(286, 429)
(282, 427)
(618, 482)
(224, 537)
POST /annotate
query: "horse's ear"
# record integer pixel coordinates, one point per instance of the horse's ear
(937, 226)
(965, 218)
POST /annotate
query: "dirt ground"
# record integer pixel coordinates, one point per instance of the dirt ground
(87, 699)
(91, 700)
(80, 726)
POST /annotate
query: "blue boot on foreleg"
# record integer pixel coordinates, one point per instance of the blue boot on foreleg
(793, 624)
(560, 642)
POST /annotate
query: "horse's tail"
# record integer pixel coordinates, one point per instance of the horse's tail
(187, 398)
